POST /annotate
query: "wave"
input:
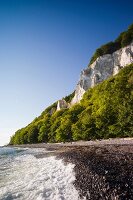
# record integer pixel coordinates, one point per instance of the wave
(29, 178)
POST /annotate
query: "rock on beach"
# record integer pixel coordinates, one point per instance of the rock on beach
(103, 169)
(102, 172)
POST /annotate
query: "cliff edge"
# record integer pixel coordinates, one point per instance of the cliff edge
(104, 67)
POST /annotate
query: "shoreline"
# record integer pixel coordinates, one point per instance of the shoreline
(55, 146)
(104, 173)
(103, 169)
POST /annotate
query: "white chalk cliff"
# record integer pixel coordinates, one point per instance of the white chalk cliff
(104, 67)
(62, 104)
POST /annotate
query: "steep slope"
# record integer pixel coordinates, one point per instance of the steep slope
(106, 110)
(104, 67)
(106, 62)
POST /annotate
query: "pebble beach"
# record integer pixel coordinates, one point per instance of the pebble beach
(103, 169)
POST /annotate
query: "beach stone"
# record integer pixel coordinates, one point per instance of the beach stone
(102, 172)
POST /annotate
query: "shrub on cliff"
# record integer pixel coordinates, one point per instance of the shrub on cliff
(32, 135)
(124, 39)
(105, 111)
(109, 109)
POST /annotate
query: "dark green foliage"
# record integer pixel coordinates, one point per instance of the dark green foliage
(44, 129)
(126, 39)
(32, 135)
(51, 109)
(55, 122)
(123, 40)
(20, 137)
(109, 107)
(105, 111)
(69, 97)
(64, 132)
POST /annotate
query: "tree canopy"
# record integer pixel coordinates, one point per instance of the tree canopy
(124, 39)
(105, 111)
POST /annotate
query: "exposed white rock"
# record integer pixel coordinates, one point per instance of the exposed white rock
(61, 104)
(104, 67)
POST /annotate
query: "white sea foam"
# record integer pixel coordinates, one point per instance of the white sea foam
(29, 178)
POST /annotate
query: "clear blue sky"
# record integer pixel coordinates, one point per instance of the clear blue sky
(44, 44)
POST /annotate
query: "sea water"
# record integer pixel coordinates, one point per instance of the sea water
(25, 177)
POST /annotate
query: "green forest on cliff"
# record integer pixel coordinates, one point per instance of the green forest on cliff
(105, 111)
(124, 39)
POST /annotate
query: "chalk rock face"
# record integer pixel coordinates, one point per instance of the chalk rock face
(104, 67)
(61, 104)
